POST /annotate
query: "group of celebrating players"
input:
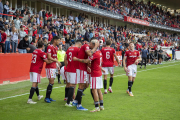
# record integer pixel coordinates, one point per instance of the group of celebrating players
(84, 65)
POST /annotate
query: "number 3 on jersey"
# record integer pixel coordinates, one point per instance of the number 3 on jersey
(70, 56)
(107, 55)
(34, 58)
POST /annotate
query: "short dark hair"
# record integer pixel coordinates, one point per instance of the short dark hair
(40, 44)
(54, 38)
(78, 41)
(108, 42)
(3, 29)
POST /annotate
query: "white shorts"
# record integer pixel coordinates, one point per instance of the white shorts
(88, 78)
(50, 73)
(71, 78)
(63, 73)
(131, 70)
(81, 76)
(108, 70)
(35, 77)
(96, 83)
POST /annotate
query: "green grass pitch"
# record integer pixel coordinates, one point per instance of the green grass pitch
(156, 97)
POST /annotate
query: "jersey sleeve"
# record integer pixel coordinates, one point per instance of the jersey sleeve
(87, 48)
(43, 56)
(48, 49)
(92, 57)
(126, 53)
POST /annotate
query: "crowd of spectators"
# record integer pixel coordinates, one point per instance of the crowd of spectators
(23, 33)
(140, 10)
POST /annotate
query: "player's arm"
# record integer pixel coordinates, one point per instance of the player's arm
(90, 52)
(117, 59)
(65, 60)
(124, 63)
(81, 60)
(54, 60)
(48, 61)
(102, 70)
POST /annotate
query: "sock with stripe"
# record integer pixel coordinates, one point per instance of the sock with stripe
(31, 92)
(96, 104)
(49, 90)
(101, 103)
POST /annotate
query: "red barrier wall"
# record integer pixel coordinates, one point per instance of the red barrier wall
(15, 67)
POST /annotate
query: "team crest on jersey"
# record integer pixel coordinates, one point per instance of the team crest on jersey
(49, 50)
(135, 53)
(44, 56)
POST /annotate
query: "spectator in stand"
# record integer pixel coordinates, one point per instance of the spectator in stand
(32, 48)
(1, 8)
(7, 43)
(3, 39)
(67, 42)
(70, 17)
(17, 22)
(14, 39)
(23, 45)
(34, 31)
(50, 36)
(22, 33)
(30, 33)
(6, 9)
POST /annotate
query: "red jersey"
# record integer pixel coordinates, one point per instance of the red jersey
(38, 57)
(72, 65)
(53, 51)
(108, 56)
(50, 37)
(82, 55)
(96, 60)
(132, 56)
(25, 29)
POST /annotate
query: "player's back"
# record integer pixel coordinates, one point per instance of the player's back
(108, 56)
(82, 55)
(96, 61)
(38, 57)
(72, 65)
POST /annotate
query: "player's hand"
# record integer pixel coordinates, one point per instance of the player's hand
(27, 48)
(103, 70)
(136, 62)
(59, 63)
(97, 44)
(75, 59)
(89, 69)
(125, 69)
(119, 65)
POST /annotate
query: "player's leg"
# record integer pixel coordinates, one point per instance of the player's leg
(134, 72)
(100, 99)
(66, 91)
(105, 79)
(37, 89)
(111, 71)
(129, 74)
(95, 94)
(96, 85)
(34, 80)
(70, 95)
(32, 90)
